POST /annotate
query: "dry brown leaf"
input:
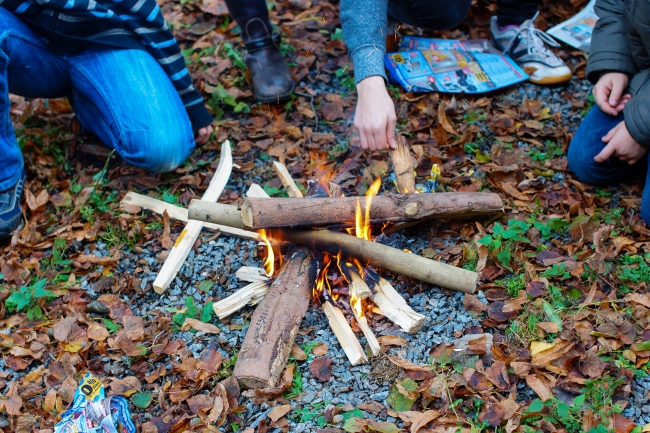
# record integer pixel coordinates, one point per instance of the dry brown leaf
(320, 349)
(126, 386)
(473, 304)
(408, 365)
(36, 203)
(133, 327)
(643, 299)
(391, 340)
(199, 404)
(521, 368)
(97, 331)
(542, 391)
(444, 120)
(279, 411)
(298, 353)
(418, 419)
(63, 328)
(13, 405)
(67, 389)
(165, 240)
(549, 327)
(195, 324)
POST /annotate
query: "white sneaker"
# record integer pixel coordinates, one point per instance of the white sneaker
(527, 46)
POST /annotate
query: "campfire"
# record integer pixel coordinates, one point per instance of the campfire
(332, 258)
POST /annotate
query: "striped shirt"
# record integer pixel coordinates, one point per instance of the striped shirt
(138, 24)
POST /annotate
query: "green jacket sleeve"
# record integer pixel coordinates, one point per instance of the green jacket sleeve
(610, 46)
(637, 115)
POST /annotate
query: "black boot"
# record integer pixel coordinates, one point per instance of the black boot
(271, 78)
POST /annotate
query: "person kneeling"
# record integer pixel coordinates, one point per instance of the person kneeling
(611, 144)
(122, 71)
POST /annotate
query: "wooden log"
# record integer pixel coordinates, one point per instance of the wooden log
(219, 213)
(357, 310)
(344, 334)
(256, 191)
(275, 323)
(249, 295)
(394, 307)
(189, 235)
(403, 166)
(251, 274)
(287, 180)
(340, 211)
(383, 257)
(358, 288)
(180, 214)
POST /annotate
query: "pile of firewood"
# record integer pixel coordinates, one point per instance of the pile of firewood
(312, 225)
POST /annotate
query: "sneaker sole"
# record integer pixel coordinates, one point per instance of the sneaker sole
(549, 79)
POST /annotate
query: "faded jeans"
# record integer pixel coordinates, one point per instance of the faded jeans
(588, 143)
(123, 96)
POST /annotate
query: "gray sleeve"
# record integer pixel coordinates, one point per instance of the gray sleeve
(637, 117)
(364, 30)
(610, 46)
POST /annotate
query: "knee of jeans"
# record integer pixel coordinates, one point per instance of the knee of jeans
(158, 151)
(582, 163)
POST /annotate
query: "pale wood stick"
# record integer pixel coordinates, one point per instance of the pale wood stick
(357, 310)
(358, 288)
(248, 295)
(275, 323)
(395, 308)
(383, 257)
(287, 180)
(403, 166)
(180, 214)
(256, 191)
(344, 334)
(189, 235)
(251, 274)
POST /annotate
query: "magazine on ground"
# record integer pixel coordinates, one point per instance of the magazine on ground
(451, 66)
(576, 31)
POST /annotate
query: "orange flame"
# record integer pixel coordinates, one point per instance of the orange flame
(355, 303)
(363, 224)
(269, 263)
(322, 278)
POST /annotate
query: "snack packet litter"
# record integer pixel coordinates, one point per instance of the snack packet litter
(92, 412)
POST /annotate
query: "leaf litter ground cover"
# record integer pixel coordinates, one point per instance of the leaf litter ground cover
(556, 340)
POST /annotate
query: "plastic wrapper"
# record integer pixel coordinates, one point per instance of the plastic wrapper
(93, 412)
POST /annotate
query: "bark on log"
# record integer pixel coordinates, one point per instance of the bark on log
(403, 166)
(275, 323)
(260, 213)
(226, 214)
(383, 257)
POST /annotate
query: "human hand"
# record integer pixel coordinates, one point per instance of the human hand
(608, 92)
(621, 145)
(375, 115)
(203, 134)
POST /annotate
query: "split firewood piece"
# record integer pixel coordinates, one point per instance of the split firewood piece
(403, 166)
(256, 191)
(340, 211)
(190, 233)
(180, 214)
(344, 334)
(251, 274)
(287, 180)
(394, 306)
(357, 310)
(358, 288)
(275, 323)
(249, 295)
(383, 257)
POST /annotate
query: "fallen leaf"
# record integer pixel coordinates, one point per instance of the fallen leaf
(498, 375)
(418, 419)
(298, 353)
(97, 332)
(390, 340)
(13, 405)
(321, 369)
(444, 120)
(542, 391)
(279, 411)
(165, 240)
(320, 349)
(126, 386)
(199, 403)
(549, 327)
(473, 304)
(538, 346)
(197, 325)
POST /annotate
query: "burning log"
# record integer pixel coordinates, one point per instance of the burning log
(393, 305)
(344, 334)
(260, 213)
(189, 235)
(275, 323)
(384, 257)
(403, 166)
(249, 295)
(358, 287)
(357, 310)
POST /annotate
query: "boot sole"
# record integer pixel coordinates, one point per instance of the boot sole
(277, 99)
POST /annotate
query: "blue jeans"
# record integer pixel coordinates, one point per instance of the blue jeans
(123, 96)
(588, 143)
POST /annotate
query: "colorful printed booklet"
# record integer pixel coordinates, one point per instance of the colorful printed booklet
(576, 31)
(451, 66)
